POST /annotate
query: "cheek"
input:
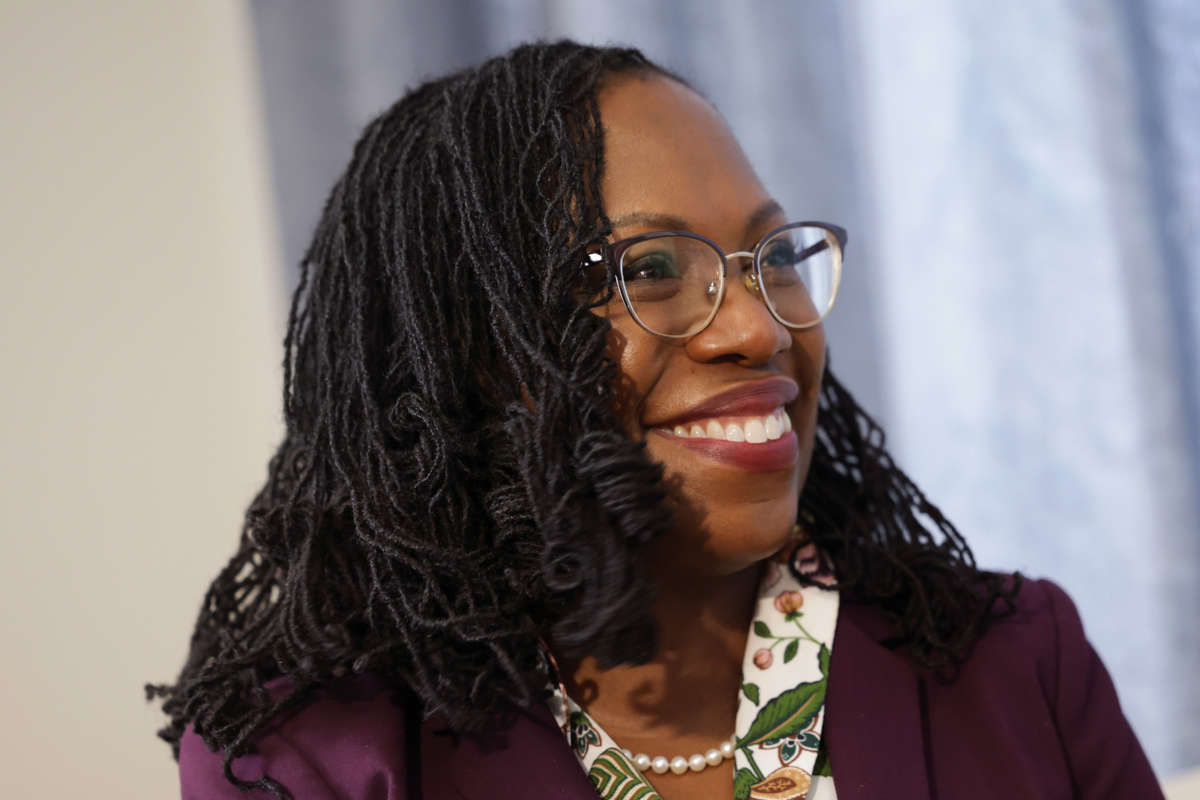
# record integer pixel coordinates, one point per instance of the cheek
(808, 351)
(640, 361)
(808, 355)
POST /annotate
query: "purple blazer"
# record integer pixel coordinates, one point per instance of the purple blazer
(1033, 714)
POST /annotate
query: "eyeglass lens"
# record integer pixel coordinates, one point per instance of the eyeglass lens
(673, 282)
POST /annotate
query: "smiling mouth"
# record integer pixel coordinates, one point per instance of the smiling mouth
(754, 443)
(750, 429)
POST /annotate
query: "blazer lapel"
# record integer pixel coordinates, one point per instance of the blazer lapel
(527, 757)
(873, 713)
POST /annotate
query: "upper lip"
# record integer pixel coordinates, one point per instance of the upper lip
(746, 399)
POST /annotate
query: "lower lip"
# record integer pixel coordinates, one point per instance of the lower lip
(766, 457)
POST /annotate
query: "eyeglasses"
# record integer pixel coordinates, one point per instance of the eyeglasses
(673, 282)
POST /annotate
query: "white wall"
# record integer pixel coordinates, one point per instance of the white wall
(139, 329)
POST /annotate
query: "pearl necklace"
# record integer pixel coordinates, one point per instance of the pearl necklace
(659, 764)
(681, 764)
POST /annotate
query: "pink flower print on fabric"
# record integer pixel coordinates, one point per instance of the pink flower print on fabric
(788, 602)
(763, 658)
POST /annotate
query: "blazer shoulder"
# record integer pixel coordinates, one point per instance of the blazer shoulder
(351, 737)
(1103, 754)
(1039, 608)
(1043, 627)
(1044, 598)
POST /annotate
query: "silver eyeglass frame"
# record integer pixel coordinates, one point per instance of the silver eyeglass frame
(613, 252)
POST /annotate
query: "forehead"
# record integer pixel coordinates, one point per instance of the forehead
(668, 151)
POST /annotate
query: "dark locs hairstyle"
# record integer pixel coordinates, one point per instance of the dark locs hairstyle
(421, 520)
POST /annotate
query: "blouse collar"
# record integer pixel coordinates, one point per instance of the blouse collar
(781, 703)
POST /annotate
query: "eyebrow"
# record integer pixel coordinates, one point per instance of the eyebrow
(764, 212)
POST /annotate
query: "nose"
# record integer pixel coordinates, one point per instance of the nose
(744, 330)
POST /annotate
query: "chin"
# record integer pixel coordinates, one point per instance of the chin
(728, 519)
(721, 533)
(748, 538)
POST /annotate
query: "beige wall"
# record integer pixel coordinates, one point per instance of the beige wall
(139, 321)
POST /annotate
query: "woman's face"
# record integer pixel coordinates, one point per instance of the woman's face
(671, 163)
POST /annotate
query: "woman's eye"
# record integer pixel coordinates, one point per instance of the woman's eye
(778, 256)
(655, 267)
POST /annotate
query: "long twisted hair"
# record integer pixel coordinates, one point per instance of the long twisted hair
(420, 520)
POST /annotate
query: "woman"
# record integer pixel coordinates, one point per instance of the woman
(570, 503)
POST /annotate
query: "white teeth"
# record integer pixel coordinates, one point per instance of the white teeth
(754, 430)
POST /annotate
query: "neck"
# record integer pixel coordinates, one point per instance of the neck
(690, 687)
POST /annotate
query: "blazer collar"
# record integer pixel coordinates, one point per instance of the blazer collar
(873, 722)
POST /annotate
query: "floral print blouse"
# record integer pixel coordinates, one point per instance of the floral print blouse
(781, 704)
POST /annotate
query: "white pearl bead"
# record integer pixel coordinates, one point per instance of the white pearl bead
(660, 764)
(714, 757)
(679, 765)
(697, 762)
(628, 753)
(642, 761)
(727, 749)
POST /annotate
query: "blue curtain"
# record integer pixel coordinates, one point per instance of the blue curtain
(1021, 307)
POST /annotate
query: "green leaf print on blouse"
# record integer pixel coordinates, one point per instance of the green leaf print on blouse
(821, 767)
(583, 735)
(790, 746)
(743, 779)
(751, 692)
(790, 713)
(614, 776)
